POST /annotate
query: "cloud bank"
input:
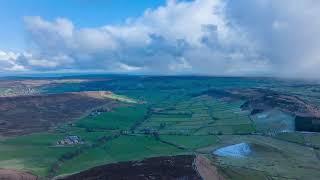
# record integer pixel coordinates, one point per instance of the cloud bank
(287, 32)
(213, 37)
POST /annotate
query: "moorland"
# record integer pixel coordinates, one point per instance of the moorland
(221, 127)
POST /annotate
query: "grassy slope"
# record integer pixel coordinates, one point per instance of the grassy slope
(35, 153)
(122, 149)
(121, 118)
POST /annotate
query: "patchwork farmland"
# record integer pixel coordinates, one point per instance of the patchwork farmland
(138, 120)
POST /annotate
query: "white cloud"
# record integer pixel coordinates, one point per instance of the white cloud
(217, 37)
(125, 67)
(159, 41)
(8, 62)
(181, 65)
(286, 31)
(7, 55)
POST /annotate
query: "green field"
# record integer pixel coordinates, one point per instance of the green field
(172, 117)
(191, 142)
(179, 122)
(124, 148)
(35, 153)
(119, 119)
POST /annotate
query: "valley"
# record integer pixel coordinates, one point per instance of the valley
(234, 128)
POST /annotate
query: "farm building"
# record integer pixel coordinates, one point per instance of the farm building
(70, 140)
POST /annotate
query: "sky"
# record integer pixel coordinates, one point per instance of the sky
(206, 37)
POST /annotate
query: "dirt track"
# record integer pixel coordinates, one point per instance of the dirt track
(206, 170)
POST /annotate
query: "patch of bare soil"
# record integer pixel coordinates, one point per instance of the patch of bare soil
(158, 168)
(206, 170)
(6, 174)
(94, 94)
(29, 114)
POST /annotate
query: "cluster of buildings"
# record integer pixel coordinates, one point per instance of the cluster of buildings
(70, 140)
(99, 111)
(19, 91)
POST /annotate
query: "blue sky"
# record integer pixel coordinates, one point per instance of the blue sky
(210, 37)
(83, 13)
